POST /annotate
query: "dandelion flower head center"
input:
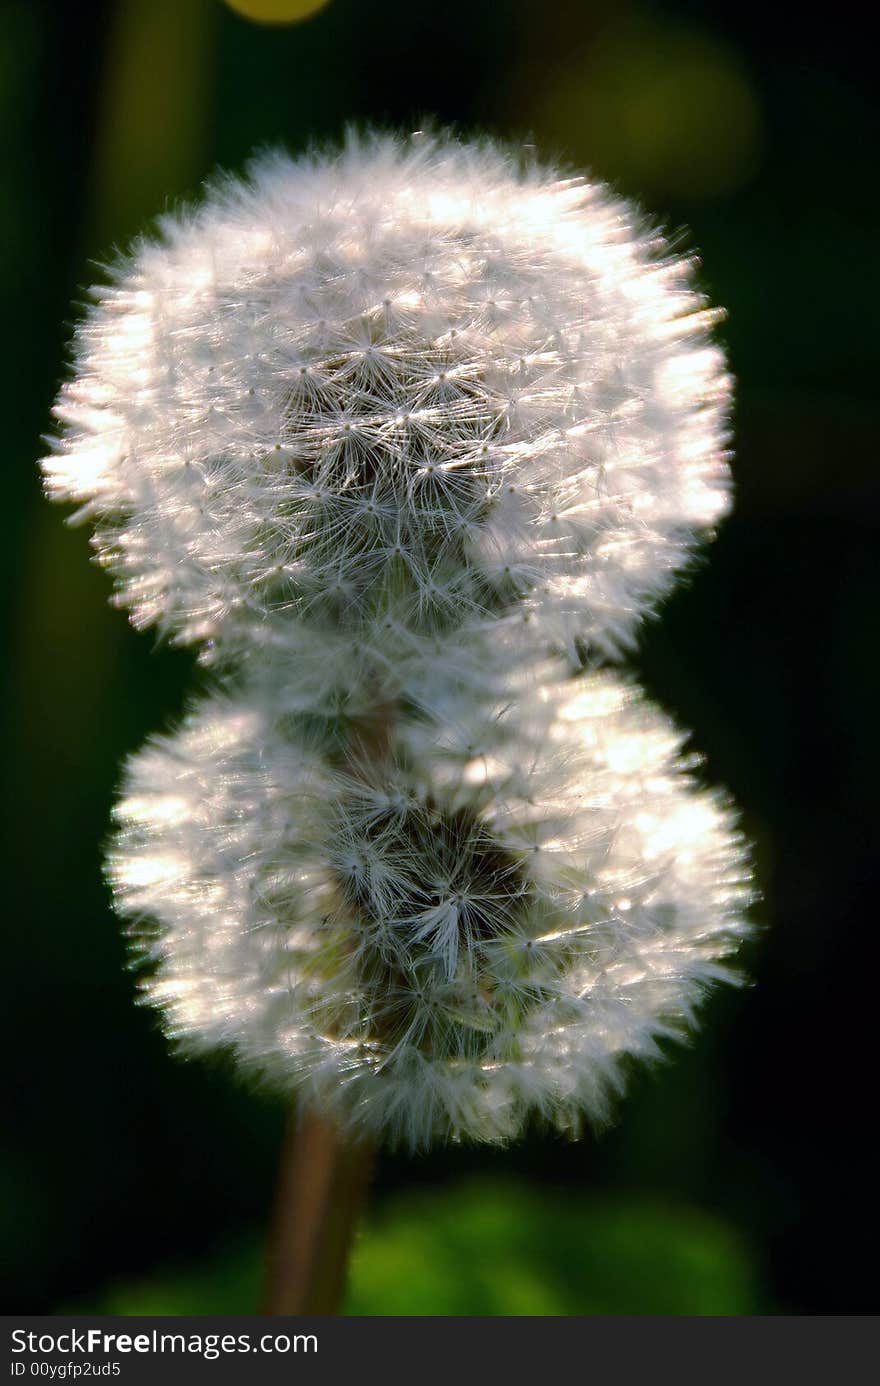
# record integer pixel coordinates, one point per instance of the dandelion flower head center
(432, 892)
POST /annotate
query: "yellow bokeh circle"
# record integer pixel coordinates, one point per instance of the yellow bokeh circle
(276, 11)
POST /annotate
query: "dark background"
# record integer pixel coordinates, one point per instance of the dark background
(753, 126)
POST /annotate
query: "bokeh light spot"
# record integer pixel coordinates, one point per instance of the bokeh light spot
(662, 112)
(277, 11)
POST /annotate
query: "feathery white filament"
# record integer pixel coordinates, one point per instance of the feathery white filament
(408, 389)
(482, 930)
(386, 433)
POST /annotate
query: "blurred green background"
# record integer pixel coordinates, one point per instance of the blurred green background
(739, 1179)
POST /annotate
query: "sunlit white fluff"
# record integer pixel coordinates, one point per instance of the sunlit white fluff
(386, 433)
(407, 389)
(477, 927)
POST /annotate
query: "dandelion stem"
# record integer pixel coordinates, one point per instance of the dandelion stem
(324, 1173)
(322, 1184)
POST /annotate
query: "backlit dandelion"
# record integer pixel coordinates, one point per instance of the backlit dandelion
(415, 387)
(480, 930)
(394, 436)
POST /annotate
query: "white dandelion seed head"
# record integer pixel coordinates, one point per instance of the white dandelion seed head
(480, 930)
(406, 389)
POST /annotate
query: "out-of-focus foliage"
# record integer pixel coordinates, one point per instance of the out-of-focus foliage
(119, 1160)
(494, 1249)
(670, 110)
(507, 1249)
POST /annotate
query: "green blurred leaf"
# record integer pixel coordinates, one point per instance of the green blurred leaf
(490, 1249)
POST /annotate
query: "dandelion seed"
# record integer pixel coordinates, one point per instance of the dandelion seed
(423, 344)
(388, 434)
(389, 948)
